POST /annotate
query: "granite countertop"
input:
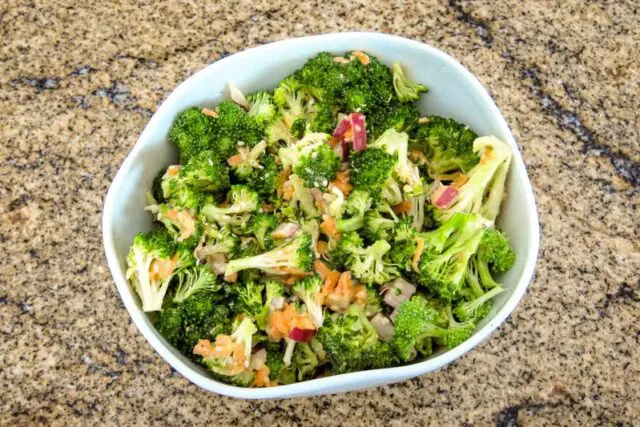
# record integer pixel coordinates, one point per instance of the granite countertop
(79, 83)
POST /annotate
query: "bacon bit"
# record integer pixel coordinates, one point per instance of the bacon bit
(330, 227)
(402, 207)
(341, 297)
(262, 377)
(160, 269)
(342, 182)
(417, 255)
(359, 131)
(423, 120)
(322, 247)
(321, 268)
(208, 112)
(267, 208)
(343, 126)
(459, 180)
(330, 283)
(362, 57)
(341, 60)
(173, 170)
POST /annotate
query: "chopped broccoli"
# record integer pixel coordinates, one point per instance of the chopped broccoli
(274, 289)
(296, 255)
(477, 308)
(262, 224)
(181, 224)
(377, 227)
(152, 262)
(484, 189)
(318, 167)
(262, 106)
(349, 340)
(370, 170)
(192, 281)
(302, 197)
(308, 290)
(446, 252)
(192, 132)
(169, 324)
(247, 161)
(447, 144)
(249, 301)
(370, 266)
(298, 128)
(205, 171)
(358, 203)
(396, 115)
(397, 144)
(242, 199)
(304, 361)
(350, 244)
(405, 230)
(406, 89)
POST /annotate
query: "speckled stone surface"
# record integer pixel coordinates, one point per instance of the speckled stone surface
(77, 86)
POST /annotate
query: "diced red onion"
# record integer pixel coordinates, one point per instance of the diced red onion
(343, 126)
(346, 148)
(445, 197)
(302, 335)
(359, 131)
(397, 292)
(285, 230)
(383, 326)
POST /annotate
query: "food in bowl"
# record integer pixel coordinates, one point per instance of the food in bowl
(323, 227)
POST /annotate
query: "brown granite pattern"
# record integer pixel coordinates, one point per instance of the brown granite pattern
(78, 82)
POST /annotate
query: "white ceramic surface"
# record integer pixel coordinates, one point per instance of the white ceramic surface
(453, 92)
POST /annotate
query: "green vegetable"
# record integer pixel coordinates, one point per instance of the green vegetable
(406, 89)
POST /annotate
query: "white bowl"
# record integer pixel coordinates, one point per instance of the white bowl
(453, 92)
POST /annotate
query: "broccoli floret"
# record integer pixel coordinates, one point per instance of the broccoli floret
(249, 301)
(156, 188)
(298, 128)
(350, 244)
(308, 291)
(262, 107)
(152, 262)
(247, 161)
(349, 340)
(477, 308)
(447, 144)
(274, 289)
(205, 171)
(397, 144)
(262, 224)
(318, 167)
(370, 266)
(446, 253)
(169, 324)
(277, 132)
(377, 227)
(274, 360)
(395, 115)
(224, 360)
(291, 155)
(180, 223)
(304, 361)
(217, 241)
(358, 203)
(370, 170)
(373, 303)
(401, 255)
(482, 193)
(242, 199)
(416, 325)
(195, 280)
(406, 89)
(302, 198)
(192, 132)
(495, 251)
(234, 125)
(405, 230)
(296, 255)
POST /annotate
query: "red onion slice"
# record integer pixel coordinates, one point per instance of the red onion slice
(285, 230)
(358, 128)
(302, 335)
(445, 197)
(342, 128)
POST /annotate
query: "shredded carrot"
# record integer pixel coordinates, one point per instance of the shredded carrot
(330, 227)
(333, 141)
(344, 284)
(321, 268)
(402, 207)
(417, 255)
(234, 160)
(330, 282)
(208, 112)
(293, 278)
(360, 294)
(267, 208)
(459, 180)
(232, 278)
(362, 57)
(281, 322)
(262, 377)
(173, 170)
(287, 190)
(342, 183)
(322, 247)
(283, 176)
(162, 268)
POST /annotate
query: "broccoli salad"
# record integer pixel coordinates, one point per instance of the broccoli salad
(322, 227)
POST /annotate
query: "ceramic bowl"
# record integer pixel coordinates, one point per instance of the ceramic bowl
(453, 92)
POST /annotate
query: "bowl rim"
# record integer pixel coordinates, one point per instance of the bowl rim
(346, 381)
